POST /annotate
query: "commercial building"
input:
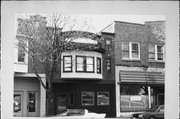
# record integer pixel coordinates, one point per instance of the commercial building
(139, 62)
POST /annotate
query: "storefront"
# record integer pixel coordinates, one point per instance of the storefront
(29, 96)
(140, 90)
(96, 96)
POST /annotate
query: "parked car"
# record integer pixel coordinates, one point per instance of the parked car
(80, 113)
(155, 112)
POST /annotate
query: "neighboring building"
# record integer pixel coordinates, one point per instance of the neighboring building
(29, 95)
(139, 64)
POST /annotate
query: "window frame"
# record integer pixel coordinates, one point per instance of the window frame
(64, 63)
(108, 41)
(98, 68)
(85, 64)
(108, 65)
(130, 51)
(156, 52)
(93, 99)
(21, 52)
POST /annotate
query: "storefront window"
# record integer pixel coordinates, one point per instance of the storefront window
(102, 98)
(87, 98)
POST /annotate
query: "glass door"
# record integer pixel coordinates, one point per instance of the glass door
(61, 102)
(32, 104)
(18, 104)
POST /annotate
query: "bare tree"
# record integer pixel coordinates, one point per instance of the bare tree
(44, 40)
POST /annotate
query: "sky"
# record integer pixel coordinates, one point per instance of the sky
(97, 22)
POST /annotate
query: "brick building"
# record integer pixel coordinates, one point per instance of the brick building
(85, 81)
(138, 63)
(126, 74)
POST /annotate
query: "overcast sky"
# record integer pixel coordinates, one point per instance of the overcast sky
(100, 21)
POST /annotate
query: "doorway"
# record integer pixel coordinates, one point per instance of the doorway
(61, 102)
(26, 104)
(32, 109)
(18, 103)
(160, 99)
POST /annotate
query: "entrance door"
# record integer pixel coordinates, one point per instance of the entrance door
(61, 102)
(32, 110)
(18, 104)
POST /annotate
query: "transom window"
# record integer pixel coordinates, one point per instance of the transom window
(67, 60)
(130, 50)
(84, 64)
(156, 52)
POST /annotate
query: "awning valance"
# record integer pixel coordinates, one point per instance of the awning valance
(141, 77)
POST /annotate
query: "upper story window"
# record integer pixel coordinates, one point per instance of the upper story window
(156, 52)
(131, 50)
(84, 64)
(67, 64)
(108, 42)
(108, 64)
(98, 65)
(21, 54)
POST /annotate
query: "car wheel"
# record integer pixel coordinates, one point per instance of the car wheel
(152, 117)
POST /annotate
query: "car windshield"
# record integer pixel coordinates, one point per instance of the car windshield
(152, 109)
(75, 112)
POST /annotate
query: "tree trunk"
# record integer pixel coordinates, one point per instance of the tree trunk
(50, 110)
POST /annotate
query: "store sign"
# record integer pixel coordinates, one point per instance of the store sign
(135, 98)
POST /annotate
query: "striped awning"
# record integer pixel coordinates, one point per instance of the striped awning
(141, 77)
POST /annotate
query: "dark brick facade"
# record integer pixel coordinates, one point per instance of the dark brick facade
(131, 32)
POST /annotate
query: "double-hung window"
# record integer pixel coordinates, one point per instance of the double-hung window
(156, 52)
(98, 65)
(21, 53)
(67, 61)
(108, 64)
(130, 50)
(84, 64)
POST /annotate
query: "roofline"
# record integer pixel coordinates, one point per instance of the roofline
(107, 26)
(130, 23)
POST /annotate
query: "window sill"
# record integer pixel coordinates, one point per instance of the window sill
(161, 61)
(84, 72)
(21, 63)
(134, 60)
(67, 71)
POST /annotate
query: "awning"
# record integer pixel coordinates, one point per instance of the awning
(141, 77)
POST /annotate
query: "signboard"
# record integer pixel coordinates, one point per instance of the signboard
(135, 98)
